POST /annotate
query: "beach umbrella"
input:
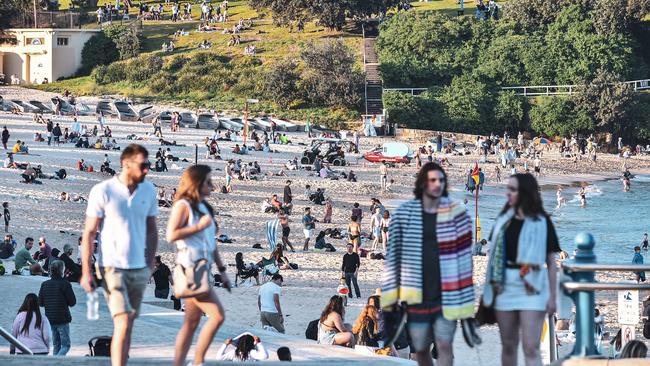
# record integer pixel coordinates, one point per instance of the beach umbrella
(541, 141)
(272, 233)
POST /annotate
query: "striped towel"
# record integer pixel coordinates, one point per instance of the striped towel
(272, 233)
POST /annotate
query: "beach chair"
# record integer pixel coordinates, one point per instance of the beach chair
(269, 268)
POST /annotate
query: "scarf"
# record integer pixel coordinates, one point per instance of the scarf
(531, 255)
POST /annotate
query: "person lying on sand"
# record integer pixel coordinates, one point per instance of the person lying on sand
(65, 196)
(164, 142)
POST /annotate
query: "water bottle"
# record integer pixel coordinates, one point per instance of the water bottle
(92, 306)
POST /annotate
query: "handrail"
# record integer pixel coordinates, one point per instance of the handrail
(14, 342)
(599, 286)
(571, 266)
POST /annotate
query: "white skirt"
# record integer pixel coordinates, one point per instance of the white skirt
(514, 296)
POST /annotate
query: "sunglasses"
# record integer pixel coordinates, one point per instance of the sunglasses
(143, 166)
(433, 180)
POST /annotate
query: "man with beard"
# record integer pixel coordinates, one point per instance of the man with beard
(428, 236)
(125, 208)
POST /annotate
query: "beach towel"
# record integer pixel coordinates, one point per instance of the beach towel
(272, 233)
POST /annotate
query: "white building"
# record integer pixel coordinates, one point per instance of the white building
(43, 53)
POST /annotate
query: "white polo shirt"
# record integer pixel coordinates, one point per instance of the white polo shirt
(124, 228)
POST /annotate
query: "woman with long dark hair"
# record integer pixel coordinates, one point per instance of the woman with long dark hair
(521, 275)
(248, 347)
(193, 229)
(331, 329)
(31, 327)
(246, 270)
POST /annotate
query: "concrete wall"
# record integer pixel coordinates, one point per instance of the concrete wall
(47, 60)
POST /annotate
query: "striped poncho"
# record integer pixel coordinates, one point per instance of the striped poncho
(402, 279)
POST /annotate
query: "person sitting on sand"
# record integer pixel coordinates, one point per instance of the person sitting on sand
(29, 174)
(331, 329)
(64, 196)
(9, 162)
(280, 260)
(248, 347)
(352, 177)
(320, 243)
(236, 149)
(276, 204)
(16, 148)
(81, 165)
(366, 328)
(246, 270)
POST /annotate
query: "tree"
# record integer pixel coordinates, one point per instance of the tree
(469, 103)
(281, 83)
(98, 50)
(423, 111)
(607, 100)
(330, 13)
(330, 77)
(510, 110)
(125, 38)
(558, 116)
(424, 49)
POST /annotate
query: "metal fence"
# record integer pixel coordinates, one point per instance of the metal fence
(48, 19)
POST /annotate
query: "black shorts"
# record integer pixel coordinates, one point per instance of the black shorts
(536, 169)
(285, 231)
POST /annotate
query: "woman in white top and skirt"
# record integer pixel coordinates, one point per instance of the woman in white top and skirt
(521, 275)
(193, 229)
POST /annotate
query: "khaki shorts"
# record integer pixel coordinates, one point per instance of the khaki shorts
(124, 288)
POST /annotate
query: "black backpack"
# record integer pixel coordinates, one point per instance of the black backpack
(312, 330)
(100, 346)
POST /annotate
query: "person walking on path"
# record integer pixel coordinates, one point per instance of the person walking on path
(350, 269)
(193, 229)
(162, 277)
(430, 235)
(521, 276)
(57, 297)
(383, 176)
(638, 259)
(268, 303)
(5, 137)
(125, 208)
(31, 328)
(309, 224)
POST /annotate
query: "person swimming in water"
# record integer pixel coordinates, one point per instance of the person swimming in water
(560, 199)
(626, 184)
(583, 197)
(644, 241)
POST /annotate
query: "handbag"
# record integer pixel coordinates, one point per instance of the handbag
(192, 281)
(195, 280)
(485, 314)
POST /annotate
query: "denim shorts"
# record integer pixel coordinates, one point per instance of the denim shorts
(423, 328)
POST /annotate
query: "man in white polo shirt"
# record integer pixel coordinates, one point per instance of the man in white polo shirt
(125, 208)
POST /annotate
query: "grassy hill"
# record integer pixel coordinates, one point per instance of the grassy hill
(272, 43)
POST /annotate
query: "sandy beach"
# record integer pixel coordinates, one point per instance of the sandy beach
(36, 210)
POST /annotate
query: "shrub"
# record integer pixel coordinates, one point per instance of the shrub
(99, 75)
(281, 83)
(98, 50)
(142, 68)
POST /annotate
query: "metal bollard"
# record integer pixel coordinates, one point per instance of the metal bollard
(584, 299)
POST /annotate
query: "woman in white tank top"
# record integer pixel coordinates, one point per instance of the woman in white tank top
(193, 229)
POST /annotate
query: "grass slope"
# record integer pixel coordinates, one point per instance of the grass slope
(271, 43)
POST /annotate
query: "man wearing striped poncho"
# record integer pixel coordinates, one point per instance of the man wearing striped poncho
(429, 265)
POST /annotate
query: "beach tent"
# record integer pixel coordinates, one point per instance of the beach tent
(272, 233)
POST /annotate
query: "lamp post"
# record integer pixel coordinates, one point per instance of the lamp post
(252, 101)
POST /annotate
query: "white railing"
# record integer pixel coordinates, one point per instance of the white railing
(535, 90)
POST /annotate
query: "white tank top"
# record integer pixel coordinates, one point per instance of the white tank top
(197, 246)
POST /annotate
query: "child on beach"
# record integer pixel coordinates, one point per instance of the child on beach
(343, 291)
(638, 259)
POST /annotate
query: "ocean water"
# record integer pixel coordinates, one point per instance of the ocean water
(616, 219)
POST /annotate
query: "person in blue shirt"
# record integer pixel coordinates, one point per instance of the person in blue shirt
(638, 259)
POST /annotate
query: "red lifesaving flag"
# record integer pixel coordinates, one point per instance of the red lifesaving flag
(475, 174)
